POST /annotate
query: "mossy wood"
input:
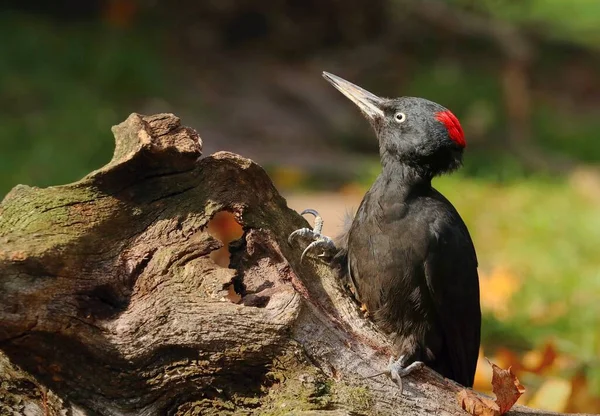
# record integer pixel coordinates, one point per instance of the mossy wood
(111, 304)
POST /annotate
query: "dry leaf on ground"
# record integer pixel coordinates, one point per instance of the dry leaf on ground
(506, 387)
(477, 405)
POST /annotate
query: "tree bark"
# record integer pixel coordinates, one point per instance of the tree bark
(111, 304)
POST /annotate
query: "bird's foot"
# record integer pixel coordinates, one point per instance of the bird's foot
(365, 310)
(322, 242)
(398, 369)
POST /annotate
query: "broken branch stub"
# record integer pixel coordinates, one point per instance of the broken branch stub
(112, 305)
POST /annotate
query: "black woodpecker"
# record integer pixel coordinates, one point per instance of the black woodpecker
(407, 251)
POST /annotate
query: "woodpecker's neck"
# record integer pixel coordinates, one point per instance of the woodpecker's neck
(404, 175)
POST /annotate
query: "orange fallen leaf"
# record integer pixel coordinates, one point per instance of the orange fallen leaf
(477, 405)
(506, 387)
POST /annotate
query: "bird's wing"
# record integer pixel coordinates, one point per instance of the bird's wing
(454, 286)
(342, 259)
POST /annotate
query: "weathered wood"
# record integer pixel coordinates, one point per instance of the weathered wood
(112, 305)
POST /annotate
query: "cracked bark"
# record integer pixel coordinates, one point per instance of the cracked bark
(111, 304)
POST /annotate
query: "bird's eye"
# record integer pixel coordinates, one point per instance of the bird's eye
(400, 117)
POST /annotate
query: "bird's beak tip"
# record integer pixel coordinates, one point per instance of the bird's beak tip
(329, 77)
(368, 103)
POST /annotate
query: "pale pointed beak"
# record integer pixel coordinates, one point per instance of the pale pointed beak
(369, 103)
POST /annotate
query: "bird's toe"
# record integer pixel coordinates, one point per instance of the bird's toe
(397, 369)
(302, 232)
(322, 242)
(325, 245)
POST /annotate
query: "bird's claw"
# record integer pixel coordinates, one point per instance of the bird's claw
(302, 232)
(319, 241)
(397, 369)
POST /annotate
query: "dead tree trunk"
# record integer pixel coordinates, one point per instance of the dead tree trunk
(111, 304)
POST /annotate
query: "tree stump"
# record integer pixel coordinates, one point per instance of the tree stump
(112, 305)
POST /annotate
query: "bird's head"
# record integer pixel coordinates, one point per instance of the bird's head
(412, 131)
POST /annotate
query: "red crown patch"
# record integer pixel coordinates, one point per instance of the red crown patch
(452, 124)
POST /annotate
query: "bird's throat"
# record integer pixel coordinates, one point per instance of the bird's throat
(405, 176)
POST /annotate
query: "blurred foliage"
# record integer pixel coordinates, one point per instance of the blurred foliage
(573, 134)
(577, 21)
(63, 86)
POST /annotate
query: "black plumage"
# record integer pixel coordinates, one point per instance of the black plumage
(407, 252)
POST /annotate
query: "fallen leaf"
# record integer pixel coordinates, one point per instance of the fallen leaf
(506, 387)
(477, 405)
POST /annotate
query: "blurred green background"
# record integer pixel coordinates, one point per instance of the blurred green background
(522, 76)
